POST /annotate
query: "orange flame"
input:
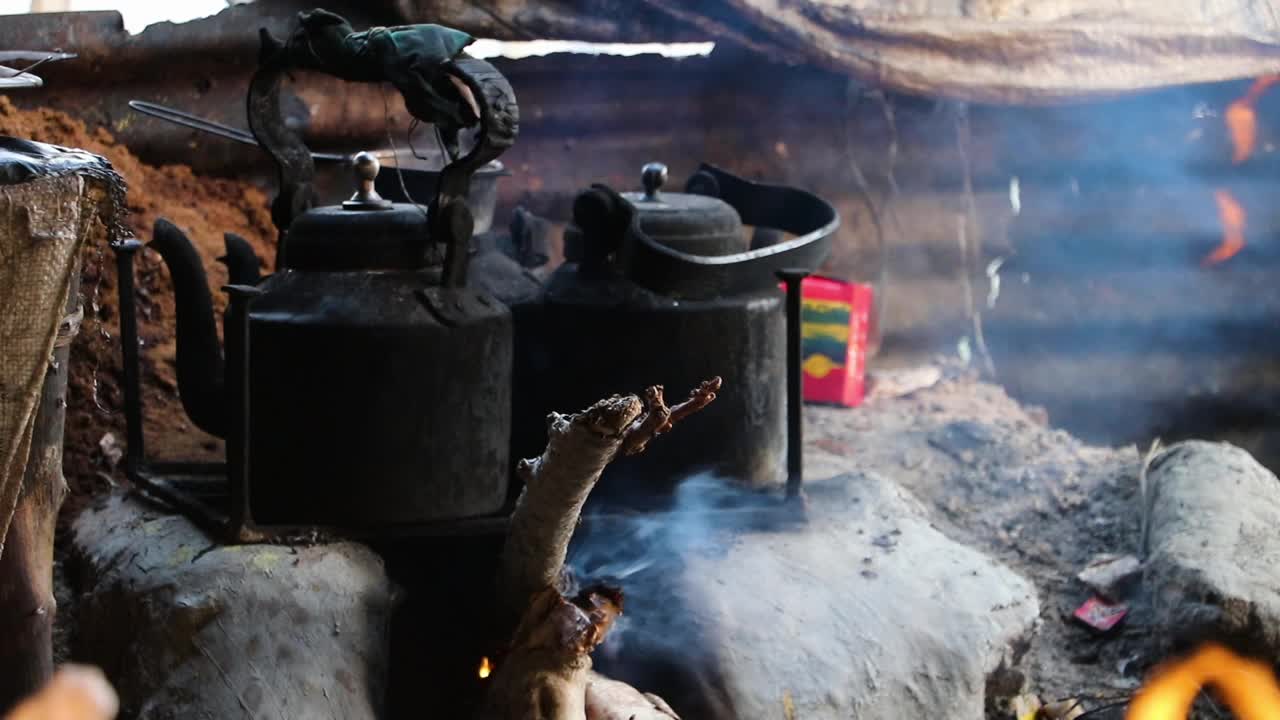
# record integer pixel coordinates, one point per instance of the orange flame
(1242, 119)
(1248, 687)
(1233, 217)
(485, 668)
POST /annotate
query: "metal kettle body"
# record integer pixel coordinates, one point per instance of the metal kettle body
(359, 389)
(630, 312)
(637, 338)
(372, 398)
(364, 386)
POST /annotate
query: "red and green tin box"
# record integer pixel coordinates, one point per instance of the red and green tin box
(835, 316)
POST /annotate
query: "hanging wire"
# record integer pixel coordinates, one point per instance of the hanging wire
(877, 211)
(386, 119)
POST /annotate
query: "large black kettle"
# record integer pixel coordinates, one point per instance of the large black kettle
(364, 386)
(662, 287)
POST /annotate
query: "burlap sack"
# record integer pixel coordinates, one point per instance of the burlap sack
(43, 223)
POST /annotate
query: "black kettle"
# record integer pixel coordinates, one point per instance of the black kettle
(365, 385)
(663, 287)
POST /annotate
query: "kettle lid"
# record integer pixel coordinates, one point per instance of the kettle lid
(366, 232)
(698, 224)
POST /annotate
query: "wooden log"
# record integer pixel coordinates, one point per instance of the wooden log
(28, 608)
(43, 223)
(1124, 354)
(1203, 311)
(1212, 552)
(557, 483)
(1135, 394)
(1076, 228)
(546, 672)
(1162, 136)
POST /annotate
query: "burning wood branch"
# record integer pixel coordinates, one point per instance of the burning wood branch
(1248, 686)
(557, 483)
(658, 418)
(546, 673)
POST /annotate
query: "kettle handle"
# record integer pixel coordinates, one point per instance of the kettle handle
(322, 42)
(605, 214)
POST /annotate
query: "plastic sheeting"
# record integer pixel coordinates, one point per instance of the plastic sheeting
(1006, 51)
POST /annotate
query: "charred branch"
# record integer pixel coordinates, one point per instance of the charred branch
(659, 419)
(546, 671)
(556, 486)
(558, 482)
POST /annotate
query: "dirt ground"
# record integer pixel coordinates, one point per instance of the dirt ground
(997, 477)
(204, 208)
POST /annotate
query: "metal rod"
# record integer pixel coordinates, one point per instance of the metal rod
(40, 56)
(161, 490)
(795, 382)
(10, 78)
(134, 451)
(236, 330)
(227, 132)
(23, 77)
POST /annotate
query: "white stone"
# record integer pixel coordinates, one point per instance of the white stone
(1214, 545)
(186, 628)
(866, 612)
(1112, 576)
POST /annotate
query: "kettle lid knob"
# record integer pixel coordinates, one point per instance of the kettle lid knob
(653, 176)
(365, 167)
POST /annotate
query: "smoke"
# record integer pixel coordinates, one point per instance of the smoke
(644, 553)
(658, 643)
(616, 547)
(1124, 306)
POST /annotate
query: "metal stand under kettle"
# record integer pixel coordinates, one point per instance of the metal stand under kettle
(365, 387)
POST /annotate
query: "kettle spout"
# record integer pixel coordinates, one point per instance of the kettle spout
(243, 265)
(200, 363)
